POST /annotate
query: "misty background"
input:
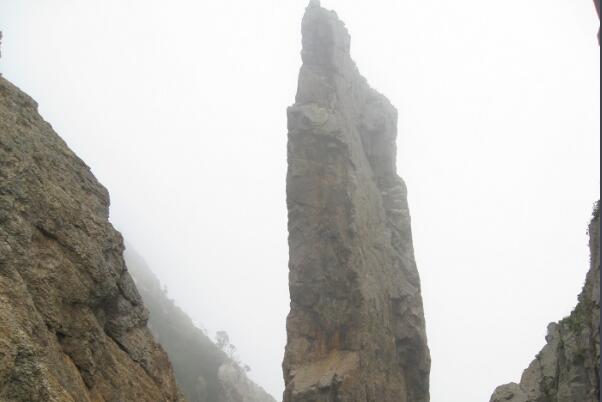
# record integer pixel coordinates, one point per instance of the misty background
(179, 108)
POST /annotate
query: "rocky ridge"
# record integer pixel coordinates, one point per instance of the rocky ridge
(72, 324)
(356, 329)
(568, 367)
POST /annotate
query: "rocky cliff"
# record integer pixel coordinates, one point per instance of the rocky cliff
(356, 328)
(203, 371)
(72, 324)
(568, 367)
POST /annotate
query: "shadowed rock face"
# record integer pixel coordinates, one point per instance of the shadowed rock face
(356, 327)
(568, 367)
(72, 325)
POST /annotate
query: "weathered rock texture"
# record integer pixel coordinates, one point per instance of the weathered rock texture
(568, 367)
(72, 325)
(203, 371)
(356, 327)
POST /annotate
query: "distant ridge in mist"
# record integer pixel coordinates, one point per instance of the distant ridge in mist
(204, 372)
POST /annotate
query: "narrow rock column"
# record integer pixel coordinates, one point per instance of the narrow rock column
(356, 328)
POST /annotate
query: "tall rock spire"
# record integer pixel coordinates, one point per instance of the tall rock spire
(356, 328)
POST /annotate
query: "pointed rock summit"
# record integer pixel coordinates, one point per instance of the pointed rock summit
(356, 328)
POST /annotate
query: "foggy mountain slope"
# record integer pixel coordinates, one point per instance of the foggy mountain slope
(203, 371)
(568, 367)
(72, 324)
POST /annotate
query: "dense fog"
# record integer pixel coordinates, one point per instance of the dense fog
(179, 108)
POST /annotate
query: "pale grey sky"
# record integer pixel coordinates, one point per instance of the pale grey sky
(179, 108)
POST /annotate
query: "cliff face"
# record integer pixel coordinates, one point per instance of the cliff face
(203, 371)
(72, 325)
(356, 327)
(568, 367)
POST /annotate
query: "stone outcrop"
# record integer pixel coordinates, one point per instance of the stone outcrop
(356, 328)
(203, 371)
(72, 324)
(568, 367)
